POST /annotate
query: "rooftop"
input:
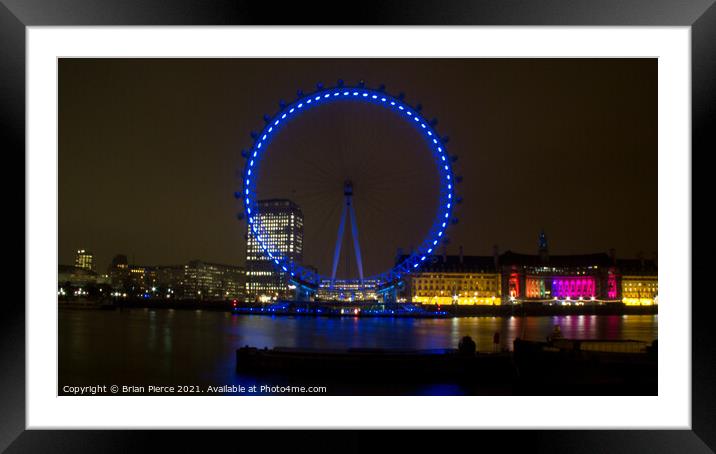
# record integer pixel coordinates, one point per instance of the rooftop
(576, 260)
(637, 266)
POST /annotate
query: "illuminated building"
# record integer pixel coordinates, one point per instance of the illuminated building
(348, 290)
(282, 221)
(195, 280)
(119, 272)
(455, 279)
(564, 279)
(84, 260)
(170, 281)
(212, 281)
(558, 279)
(639, 282)
(140, 279)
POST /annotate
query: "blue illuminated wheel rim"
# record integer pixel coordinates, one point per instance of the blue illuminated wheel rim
(411, 114)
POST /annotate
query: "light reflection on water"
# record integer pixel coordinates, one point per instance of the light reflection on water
(184, 346)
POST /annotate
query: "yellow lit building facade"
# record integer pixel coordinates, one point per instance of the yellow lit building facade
(639, 282)
(456, 288)
(640, 290)
(456, 279)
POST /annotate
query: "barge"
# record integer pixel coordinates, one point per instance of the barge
(579, 367)
(555, 367)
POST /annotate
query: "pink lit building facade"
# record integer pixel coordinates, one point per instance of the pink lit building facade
(544, 278)
(514, 278)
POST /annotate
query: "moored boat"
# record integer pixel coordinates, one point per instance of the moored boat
(568, 364)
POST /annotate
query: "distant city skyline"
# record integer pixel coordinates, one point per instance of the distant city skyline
(149, 150)
(451, 251)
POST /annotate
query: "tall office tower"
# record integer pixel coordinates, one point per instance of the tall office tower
(84, 260)
(282, 223)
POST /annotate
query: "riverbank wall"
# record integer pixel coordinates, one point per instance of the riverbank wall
(451, 311)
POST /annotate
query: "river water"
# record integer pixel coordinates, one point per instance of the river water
(197, 347)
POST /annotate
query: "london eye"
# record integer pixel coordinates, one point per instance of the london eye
(356, 185)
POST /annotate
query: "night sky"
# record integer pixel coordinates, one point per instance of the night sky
(149, 155)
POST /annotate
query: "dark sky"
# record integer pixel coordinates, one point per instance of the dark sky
(149, 155)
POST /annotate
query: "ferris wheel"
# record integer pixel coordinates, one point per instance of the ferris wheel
(442, 169)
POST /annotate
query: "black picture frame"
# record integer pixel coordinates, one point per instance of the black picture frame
(700, 15)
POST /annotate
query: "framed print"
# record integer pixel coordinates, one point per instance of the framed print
(461, 217)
